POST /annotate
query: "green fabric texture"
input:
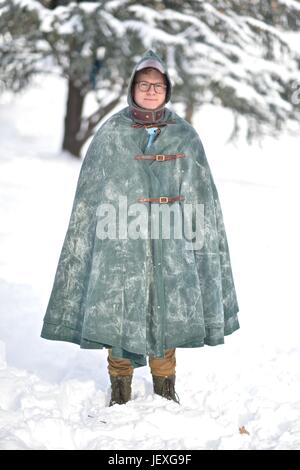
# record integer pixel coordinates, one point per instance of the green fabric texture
(144, 295)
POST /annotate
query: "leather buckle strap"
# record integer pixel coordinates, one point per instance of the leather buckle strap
(161, 199)
(154, 124)
(160, 157)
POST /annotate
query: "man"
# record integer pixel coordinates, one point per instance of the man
(123, 285)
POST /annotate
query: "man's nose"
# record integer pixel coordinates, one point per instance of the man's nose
(152, 89)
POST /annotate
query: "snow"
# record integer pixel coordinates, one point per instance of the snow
(290, 4)
(66, 19)
(148, 34)
(54, 395)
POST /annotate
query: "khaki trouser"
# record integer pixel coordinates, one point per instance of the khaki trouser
(160, 366)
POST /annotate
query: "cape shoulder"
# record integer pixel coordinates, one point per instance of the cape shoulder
(190, 138)
(122, 117)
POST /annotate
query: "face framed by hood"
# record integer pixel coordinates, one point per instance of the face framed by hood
(138, 113)
(140, 98)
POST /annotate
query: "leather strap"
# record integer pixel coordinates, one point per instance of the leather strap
(160, 157)
(153, 124)
(142, 116)
(161, 199)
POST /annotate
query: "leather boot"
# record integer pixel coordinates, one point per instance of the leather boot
(165, 387)
(120, 389)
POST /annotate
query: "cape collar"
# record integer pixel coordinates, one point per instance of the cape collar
(146, 116)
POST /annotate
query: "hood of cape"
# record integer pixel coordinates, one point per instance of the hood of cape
(143, 115)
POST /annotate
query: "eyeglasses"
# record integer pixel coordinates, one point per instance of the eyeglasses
(145, 86)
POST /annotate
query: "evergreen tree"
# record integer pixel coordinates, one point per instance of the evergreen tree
(228, 52)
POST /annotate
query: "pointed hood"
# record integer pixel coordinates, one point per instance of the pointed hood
(139, 114)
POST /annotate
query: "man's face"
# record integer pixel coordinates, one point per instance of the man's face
(149, 99)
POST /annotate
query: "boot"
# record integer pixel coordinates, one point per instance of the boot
(120, 389)
(165, 387)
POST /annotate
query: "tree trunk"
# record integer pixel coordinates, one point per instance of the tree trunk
(71, 141)
(189, 111)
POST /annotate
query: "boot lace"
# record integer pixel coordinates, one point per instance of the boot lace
(168, 390)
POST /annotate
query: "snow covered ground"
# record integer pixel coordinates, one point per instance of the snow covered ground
(54, 395)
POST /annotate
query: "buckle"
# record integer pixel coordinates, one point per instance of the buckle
(163, 199)
(160, 157)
